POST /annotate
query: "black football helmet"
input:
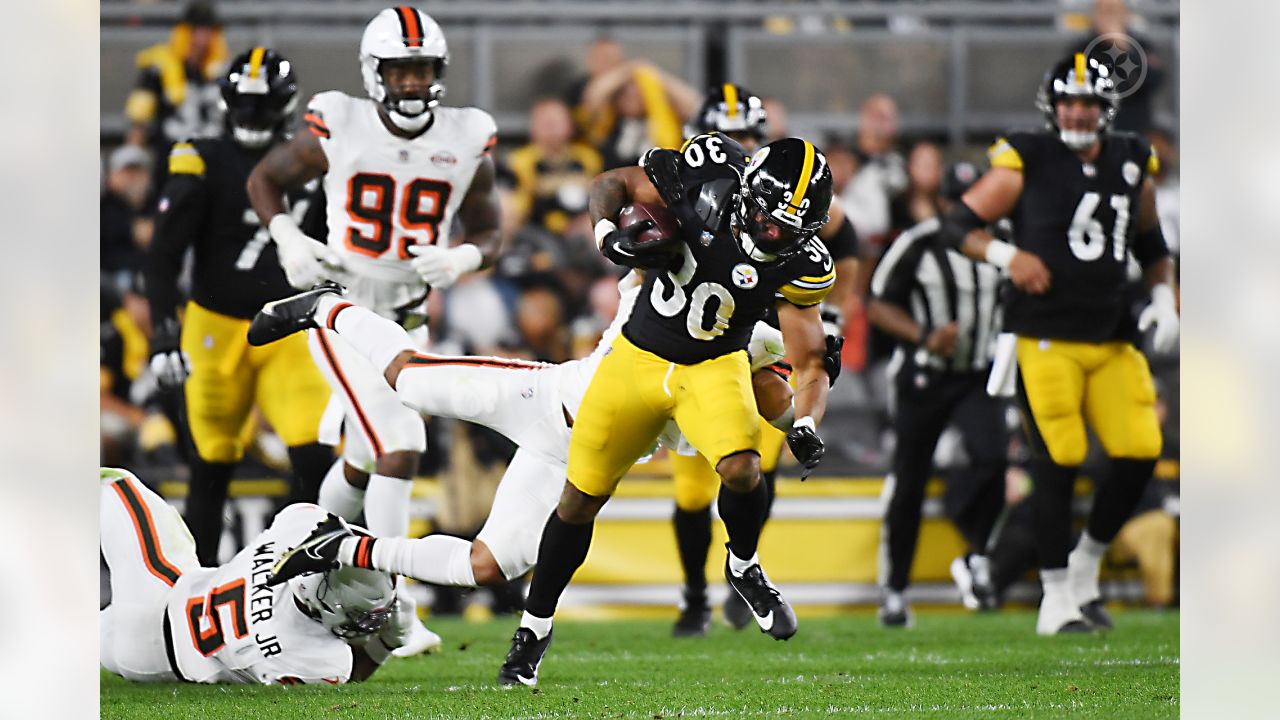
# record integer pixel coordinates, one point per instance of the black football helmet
(786, 192)
(259, 94)
(732, 110)
(1078, 76)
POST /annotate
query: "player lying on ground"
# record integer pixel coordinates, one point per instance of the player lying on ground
(531, 403)
(172, 620)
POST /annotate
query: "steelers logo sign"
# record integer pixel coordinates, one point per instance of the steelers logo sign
(745, 276)
(1125, 60)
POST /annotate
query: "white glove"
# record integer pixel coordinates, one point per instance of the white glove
(305, 260)
(170, 368)
(1163, 314)
(441, 267)
(765, 347)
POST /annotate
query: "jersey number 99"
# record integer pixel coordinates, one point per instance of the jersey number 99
(372, 201)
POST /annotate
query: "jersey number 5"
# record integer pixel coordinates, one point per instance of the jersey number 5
(205, 621)
(670, 298)
(372, 201)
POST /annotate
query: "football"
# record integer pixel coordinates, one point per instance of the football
(665, 225)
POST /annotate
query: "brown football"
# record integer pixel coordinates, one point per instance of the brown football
(665, 225)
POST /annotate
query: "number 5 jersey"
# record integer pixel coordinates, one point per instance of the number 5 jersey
(386, 192)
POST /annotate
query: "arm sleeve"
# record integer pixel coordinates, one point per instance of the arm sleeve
(181, 217)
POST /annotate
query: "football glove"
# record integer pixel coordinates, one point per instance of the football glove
(1162, 313)
(805, 445)
(441, 267)
(621, 247)
(832, 360)
(169, 364)
(305, 260)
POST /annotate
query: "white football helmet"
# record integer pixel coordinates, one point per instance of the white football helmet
(349, 601)
(403, 33)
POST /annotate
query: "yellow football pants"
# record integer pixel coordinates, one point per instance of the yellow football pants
(696, 482)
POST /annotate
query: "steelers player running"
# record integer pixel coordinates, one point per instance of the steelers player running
(738, 113)
(745, 244)
(1081, 200)
(203, 206)
(398, 169)
(172, 620)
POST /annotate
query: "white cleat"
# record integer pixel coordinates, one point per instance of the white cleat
(1060, 616)
(421, 640)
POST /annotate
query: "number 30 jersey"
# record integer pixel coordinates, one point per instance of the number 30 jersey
(1080, 218)
(229, 627)
(708, 304)
(386, 192)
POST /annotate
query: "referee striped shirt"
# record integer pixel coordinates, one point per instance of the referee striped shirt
(938, 286)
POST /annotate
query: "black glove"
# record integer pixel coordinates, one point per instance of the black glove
(831, 361)
(169, 364)
(806, 446)
(620, 247)
(663, 169)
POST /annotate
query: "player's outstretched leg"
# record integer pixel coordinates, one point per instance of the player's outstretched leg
(283, 317)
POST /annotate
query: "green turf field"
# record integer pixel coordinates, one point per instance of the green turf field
(950, 665)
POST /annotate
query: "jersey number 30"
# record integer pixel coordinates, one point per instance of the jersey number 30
(373, 202)
(669, 297)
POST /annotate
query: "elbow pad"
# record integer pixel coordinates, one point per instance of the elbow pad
(957, 223)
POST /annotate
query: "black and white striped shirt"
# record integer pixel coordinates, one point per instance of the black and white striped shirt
(938, 286)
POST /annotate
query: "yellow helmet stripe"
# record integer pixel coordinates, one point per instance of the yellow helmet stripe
(255, 61)
(806, 171)
(731, 99)
(1080, 68)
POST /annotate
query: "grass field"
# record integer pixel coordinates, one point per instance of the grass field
(950, 665)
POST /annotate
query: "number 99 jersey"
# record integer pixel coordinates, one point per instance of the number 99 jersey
(386, 192)
(708, 303)
(1080, 219)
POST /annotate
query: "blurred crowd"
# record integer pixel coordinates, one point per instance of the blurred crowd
(552, 293)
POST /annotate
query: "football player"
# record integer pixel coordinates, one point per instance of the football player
(738, 113)
(1082, 201)
(172, 620)
(533, 404)
(235, 270)
(398, 169)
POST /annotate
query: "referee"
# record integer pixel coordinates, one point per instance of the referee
(943, 310)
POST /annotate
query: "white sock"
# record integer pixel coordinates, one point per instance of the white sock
(1056, 587)
(339, 496)
(737, 566)
(1084, 564)
(386, 506)
(437, 559)
(541, 627)
(373, 336)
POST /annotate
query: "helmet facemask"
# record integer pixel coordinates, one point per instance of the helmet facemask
(411, 110)
(785, 194)
(765, 237)
(349, 602)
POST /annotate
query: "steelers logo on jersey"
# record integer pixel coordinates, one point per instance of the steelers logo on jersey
(745, 276)
(1130, 172)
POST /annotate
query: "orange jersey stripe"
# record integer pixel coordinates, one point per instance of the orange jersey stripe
(346, 387)
(143, 525)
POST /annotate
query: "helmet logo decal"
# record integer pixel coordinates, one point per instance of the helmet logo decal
(745, 276)
(410, 26)
(806, 172)
(730, 99)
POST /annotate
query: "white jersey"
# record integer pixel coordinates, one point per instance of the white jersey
(386, 192)
(229, 627)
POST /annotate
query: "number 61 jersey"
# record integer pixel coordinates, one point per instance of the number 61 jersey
(708, 305)
(386, 192)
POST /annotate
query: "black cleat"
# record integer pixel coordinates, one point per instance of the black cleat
(283, 317)
(317, 553)
(1076, 627)
(894, 611)
(521, 665)
(1096, 613)
(771, 612)
(736, 611)
(695, 616)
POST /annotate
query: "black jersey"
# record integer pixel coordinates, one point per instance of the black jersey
(1080, 219)
(204, 206)
(708, 304)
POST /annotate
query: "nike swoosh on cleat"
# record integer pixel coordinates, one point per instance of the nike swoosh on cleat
(527, 681)
(766, 622)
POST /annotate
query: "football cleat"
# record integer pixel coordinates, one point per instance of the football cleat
(283, 317)
(695, 616)
(894, 611)
(771, 612)
(317, 553)
(1096, 614)
(1059, 616)
(421, 640)
(736, 611)
(521, 665)
(972, 574)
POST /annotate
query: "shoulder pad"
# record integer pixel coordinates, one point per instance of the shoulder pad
(816, 275)
(185, 159)
(1141, 151)
(714, 148)
(1003, 153)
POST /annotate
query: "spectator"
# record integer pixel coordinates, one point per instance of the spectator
(125, 232)
(1111, 17)
(881, 174)
(553, 173)
(176, 96)
(603, 300)
(924, 179)
(603, 55)
(540, 320)
(633, 107)
(777, 127)
(843, 164)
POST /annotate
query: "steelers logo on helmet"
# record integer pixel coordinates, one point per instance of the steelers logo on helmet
(1078, 76)
(403, 58)
(259, 93)
(786, 192)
